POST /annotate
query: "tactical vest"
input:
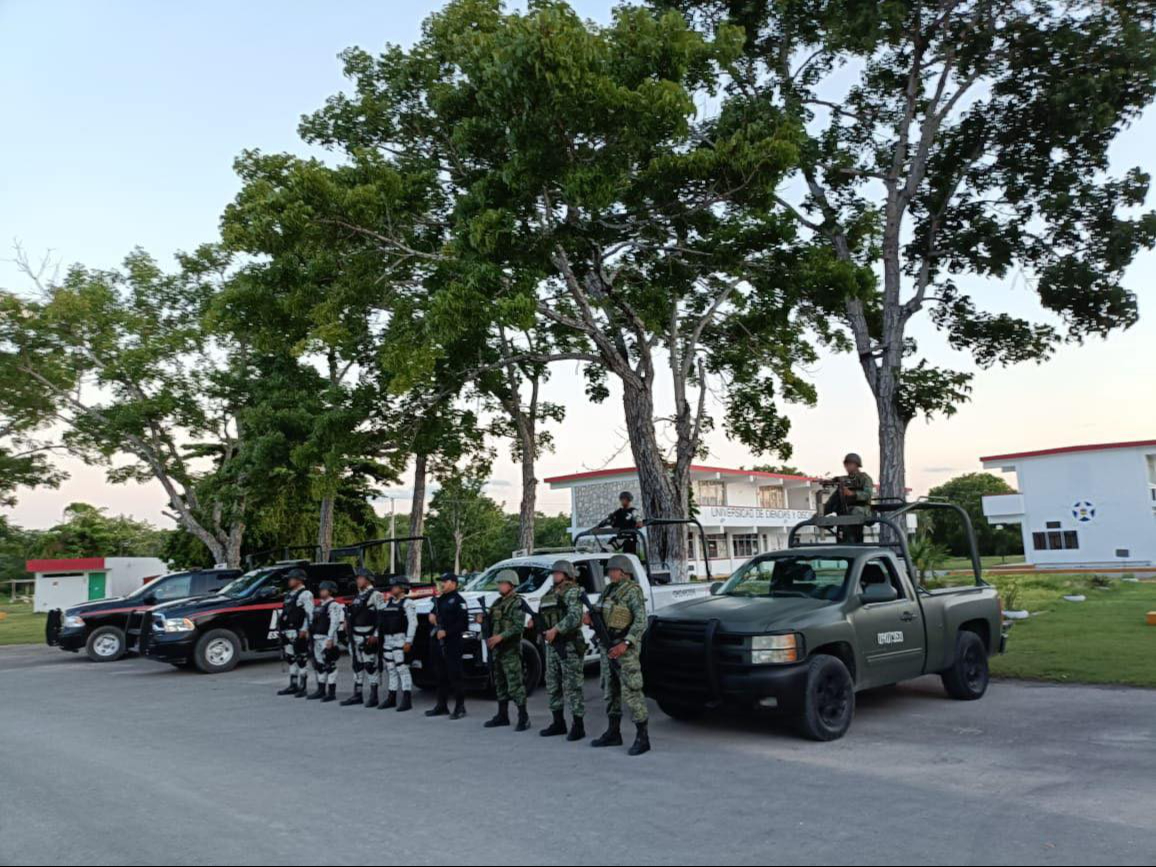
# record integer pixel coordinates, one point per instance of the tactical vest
(617, 615)
(292, 614)
(551, 612)
(361, 616)
(321, 619)
(504, 614)
(393, 620)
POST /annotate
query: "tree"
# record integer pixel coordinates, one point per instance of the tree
(87, 531)
(950, 140)
(778, 469)
(568, 180)
(464, 521)
(968, 491)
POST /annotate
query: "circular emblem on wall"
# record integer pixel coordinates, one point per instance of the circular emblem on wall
(1083, 511)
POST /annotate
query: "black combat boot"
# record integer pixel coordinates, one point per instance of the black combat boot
(558, 727)
(372, 702)
(390, 700)
(291, 689)
(612, 737)
(331, 695)
(439, 709)
(641, 741)
(302, 687)
(460, 707)
(577, 730)
(523, 719)
(501, 718)
(356, 698)
(406, 701)
(317, 693)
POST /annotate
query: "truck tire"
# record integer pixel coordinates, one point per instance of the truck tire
(968, 676)
(217, 651)
(106, 644)
(532, 666)
(680, 711)
(828, 699)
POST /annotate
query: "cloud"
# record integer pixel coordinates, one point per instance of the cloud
(941, 469)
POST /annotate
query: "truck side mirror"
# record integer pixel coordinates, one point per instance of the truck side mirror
(715, 588)
(267, 592)
(875, 593)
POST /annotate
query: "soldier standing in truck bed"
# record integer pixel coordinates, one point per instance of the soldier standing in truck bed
(625, 518)
(852, 496)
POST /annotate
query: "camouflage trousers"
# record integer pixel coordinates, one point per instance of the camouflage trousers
(564, 681)
(624, 687)
(509, 682)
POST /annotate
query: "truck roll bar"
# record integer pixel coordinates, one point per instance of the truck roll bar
(358, 549)
(596, 533)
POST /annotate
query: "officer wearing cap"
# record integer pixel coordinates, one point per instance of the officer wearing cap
(363, 617)
(507, 623)
(398, 626)
(328, 618)
(293, 626)
(559, 622)
(627, 518)
(623, 609)
(852, 496)
(450, 621)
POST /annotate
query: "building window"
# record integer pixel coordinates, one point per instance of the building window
(690, 545)
(1053, 525)
(772, 497)
(1056, 540)
(1123, 552)
(711, 493)
(745, 544)
(1040, 541)
(715, 544)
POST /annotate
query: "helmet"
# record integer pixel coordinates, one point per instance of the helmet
(295, 575)
(399, 581)
(508, 576)
(853, 458)
(621, 561)
(331, 586)
(565, 567)
(626, 495)
(362, 572)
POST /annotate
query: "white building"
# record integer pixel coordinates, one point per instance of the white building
(1089, 505)
(62, 583)
(744, 512)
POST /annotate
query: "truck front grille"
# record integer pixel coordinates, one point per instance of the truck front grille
(682, 658)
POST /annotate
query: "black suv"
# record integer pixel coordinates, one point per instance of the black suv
(107, 629)
(213, 633)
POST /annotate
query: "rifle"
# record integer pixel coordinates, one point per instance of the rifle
(561, 649)
(601, 632)
(487, 634)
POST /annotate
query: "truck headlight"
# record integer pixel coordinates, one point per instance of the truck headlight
(179, 624)
(72, 621)
(775, 649)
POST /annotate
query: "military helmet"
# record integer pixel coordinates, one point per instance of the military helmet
(853, 458)
(508, 576)
(621, 561)
(565, 567)
(295, 575)
(399, 581)
(331, 586)
(626, 495)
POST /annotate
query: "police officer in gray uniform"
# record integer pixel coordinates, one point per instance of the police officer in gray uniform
(328, 617)
(364, 622)
(398, 625)
(293, 625)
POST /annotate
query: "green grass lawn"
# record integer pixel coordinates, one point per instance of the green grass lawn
(21, 626)
(1102, 640)
(985, 562)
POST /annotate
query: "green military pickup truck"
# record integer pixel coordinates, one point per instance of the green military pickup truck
(802, 630)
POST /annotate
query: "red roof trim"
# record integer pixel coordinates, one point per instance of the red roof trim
(1138, 444)
(74, 564)
(625, 471)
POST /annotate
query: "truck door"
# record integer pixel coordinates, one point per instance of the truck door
(890, 634)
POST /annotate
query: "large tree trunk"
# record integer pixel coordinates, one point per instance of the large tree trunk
(666, 546)
(529, 493)
(325, 528)
(233, 548)
(892, 442)
(417, 516)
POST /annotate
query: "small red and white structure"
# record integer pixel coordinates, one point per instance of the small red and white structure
(62, 583)
(743, 512)
(1081, 506)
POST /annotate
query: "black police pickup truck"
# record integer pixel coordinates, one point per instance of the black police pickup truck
(107, 629)
(213, 633)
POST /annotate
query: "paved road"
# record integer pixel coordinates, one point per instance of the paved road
(136, 763)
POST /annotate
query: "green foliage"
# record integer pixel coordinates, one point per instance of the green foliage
(927, 555)
(968, 491)
(465, 526)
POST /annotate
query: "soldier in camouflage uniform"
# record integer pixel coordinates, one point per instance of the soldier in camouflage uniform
(507, 623)
(364, 620)
(852, 496)
(559, 622)
(623, 608)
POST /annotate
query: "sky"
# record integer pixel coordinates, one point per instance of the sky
(122, 120)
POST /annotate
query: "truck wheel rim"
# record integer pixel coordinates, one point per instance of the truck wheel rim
(106, 645)
(973, 668)
(831, 693)
(219, 652)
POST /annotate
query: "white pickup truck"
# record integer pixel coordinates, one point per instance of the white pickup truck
(534, 571)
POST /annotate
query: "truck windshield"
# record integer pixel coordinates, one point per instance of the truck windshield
(798, 577)
(532, 577)
(153, 584)
(243, 585)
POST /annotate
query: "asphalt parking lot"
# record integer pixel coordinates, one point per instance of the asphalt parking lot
(135, 762)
